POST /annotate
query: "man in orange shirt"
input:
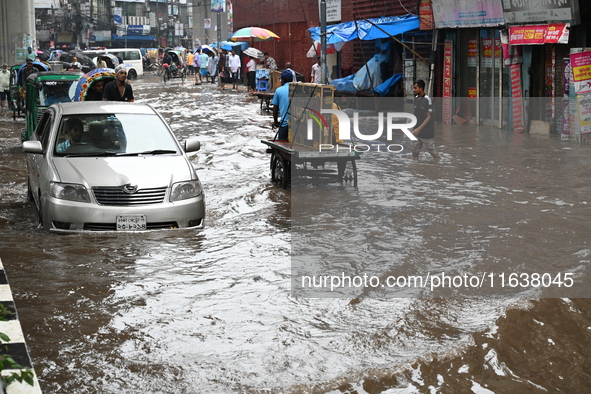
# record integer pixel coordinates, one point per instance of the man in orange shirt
(190, 58)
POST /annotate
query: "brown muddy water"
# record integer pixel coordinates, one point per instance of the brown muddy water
(212, 311)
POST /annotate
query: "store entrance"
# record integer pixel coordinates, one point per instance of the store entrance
(491, 77)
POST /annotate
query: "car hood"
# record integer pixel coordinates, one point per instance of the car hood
(143, 171)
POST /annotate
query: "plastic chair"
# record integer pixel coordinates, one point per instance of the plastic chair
(262, 85)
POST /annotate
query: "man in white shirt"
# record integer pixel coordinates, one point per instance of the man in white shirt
(316, 72)
(234, 63)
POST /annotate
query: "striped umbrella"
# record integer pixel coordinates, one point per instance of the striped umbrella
(249, 34)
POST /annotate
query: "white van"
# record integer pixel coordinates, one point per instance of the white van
(132, 59)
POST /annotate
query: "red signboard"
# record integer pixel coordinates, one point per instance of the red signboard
(447, 80)
(554, 33)
(472, 48)
(426, 15)
(516, 99)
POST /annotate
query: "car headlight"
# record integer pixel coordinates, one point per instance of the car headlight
(69, 191)
(183, 190)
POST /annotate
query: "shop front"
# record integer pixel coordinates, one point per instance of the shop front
(472, 30)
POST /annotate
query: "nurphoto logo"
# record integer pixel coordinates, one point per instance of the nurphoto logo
(393, 122)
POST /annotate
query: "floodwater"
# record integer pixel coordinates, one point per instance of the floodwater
(212, 311)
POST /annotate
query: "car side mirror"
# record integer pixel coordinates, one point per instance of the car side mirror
(192, 145)
(32, 147)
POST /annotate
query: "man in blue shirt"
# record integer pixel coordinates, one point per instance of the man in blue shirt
(75, 129)
(281, 105)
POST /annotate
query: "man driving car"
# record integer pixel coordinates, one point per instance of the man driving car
(75, 129)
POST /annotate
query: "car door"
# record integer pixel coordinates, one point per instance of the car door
(35, 161)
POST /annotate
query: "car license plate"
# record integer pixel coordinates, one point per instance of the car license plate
(131, 222)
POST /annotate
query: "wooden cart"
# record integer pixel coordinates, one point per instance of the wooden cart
(306, 161)
(265, 98)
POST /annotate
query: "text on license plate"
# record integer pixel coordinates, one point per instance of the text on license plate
(131, 222)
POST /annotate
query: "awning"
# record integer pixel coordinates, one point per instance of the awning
(133, 38)
(367, 29)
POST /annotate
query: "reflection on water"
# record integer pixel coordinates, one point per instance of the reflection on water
(212, 311)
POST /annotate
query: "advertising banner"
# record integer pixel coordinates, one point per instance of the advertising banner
(218, 5)
(511, 53)
(467, 13)
(581, 69)
(584, 105)
(447, 80)
(472, 52)
(516, 98)
(565, 112)
(554, 33)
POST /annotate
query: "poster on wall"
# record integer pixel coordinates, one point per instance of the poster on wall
(472, 52)
(447, 80)
(218, 5)
(511, 53)
(516, 98)
(584, 106)
(565, 133)
(467, 13)
(487, 53)
(581, 68)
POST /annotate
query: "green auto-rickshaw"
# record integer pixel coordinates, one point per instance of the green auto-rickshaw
(44, 89)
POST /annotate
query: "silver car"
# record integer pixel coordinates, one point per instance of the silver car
(110, 166)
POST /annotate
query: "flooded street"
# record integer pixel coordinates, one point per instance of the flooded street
(212, 311)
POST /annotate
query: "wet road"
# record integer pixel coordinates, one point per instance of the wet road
(212, 311)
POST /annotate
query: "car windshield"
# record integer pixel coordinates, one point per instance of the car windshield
(113, 135)
(53, 92)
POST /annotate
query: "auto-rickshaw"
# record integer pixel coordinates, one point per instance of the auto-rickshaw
(176, 68)
(16, 99)
(110, 59)
(44, 89)
(84, 91)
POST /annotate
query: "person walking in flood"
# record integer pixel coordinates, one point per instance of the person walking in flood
(425, 132)
(119, 89)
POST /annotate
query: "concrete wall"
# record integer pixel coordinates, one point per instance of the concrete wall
(17, 18)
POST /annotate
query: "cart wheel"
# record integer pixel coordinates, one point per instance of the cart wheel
(279, 170)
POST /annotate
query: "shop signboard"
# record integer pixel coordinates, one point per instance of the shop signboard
(581, 68)
(527, 11)
(516, 98)
(467, 13)
(553, 33)
(447, 80)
